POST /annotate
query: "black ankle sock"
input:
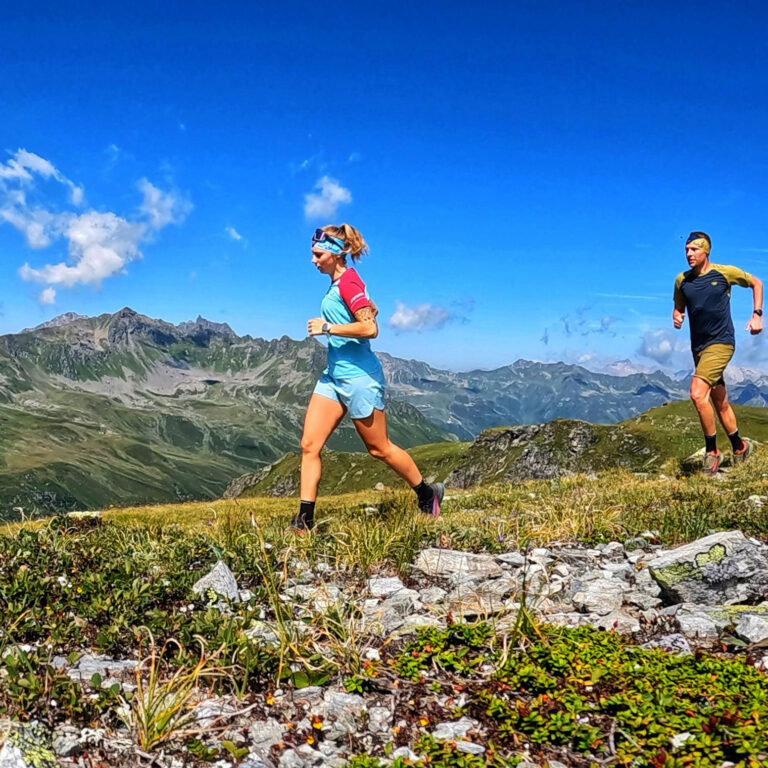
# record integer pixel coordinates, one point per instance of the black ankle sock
(424, 492)
(736, 442)
(306, 516)
(711, 442)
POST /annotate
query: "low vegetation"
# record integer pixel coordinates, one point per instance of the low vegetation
(120, 584)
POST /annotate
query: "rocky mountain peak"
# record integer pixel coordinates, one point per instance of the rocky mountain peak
(64, 319)
(202, 327)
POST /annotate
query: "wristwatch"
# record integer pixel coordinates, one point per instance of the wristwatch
(758, 312)
(327, 329)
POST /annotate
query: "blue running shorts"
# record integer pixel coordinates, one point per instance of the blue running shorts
(359, 395)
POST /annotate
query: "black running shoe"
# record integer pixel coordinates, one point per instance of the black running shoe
(432, 507)
(301, 524)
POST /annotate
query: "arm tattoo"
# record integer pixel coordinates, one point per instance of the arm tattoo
(364, 315)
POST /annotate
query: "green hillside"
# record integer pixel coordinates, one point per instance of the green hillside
(645, 443)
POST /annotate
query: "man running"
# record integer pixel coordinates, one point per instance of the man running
(705, 291)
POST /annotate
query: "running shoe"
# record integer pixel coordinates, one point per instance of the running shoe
(711, 463)
(739, 457)
(432, 507)
(300, 524)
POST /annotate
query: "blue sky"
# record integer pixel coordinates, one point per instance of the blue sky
(525, 173)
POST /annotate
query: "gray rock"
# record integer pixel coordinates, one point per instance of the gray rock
(485, 599)
(757, 502)
(453, 729)
(447, 563)
(405, 753)
(411, 624)
(469, 748)
(93, 664)
(432, 595)
(290, 759)
(612, 549)
(642, 600)
(219, 580)
(674, 643)
(601, 596)
(617, 621)
(254, 761)
(261, 631)
(384, 587)
(264, 734)
(694, 622)
(515, 559)
(208, 712)
(345, 709)
(379, 720)
(66, 740)
(28, 746)
(724, 567)
(309, 754)
(752, 627)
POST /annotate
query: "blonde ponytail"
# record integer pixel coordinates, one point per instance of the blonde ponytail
(354, 245)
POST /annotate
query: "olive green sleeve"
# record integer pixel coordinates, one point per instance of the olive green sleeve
(734, 275)
(679, 298)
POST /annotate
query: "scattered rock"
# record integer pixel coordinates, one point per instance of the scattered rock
(724, 567)
(384, 587)
(28, 746)
(221, 581)
(447, 563)
(601, 596)
(674, 643)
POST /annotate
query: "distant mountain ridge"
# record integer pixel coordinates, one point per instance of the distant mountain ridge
(123, 408)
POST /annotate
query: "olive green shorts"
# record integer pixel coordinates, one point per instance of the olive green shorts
(711, 362)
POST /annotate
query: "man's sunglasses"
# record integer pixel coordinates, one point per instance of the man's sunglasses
(322, 237)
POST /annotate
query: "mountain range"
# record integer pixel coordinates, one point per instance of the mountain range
(122, 408)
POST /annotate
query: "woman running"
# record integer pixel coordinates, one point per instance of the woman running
(353, 381)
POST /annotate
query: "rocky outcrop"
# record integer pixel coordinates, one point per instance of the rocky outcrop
(725, 567)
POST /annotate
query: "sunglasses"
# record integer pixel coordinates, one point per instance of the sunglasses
(323, 237)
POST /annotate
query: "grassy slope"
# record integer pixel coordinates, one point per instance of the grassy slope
(643, 443)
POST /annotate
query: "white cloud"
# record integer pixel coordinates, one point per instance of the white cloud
(323, 205)
(23, 165)
(661, 345)
(99, 244)
(162, 208)
(419, 318)
(233, 233)
(47, 296)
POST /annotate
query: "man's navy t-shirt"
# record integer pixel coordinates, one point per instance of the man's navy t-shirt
(707, 298)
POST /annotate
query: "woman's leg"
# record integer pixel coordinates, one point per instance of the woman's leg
(322, 417)
(373, 431)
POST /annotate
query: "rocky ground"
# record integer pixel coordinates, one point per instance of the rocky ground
(709, 594)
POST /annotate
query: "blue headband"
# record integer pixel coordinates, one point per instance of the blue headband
(332, 245)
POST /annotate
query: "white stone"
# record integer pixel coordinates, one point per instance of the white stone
(469, 748)
(221, 581)
(752, 627)
(601, 596)
(445, 563)
(453, 729)
(384, 587)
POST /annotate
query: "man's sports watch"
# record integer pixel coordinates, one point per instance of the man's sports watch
(327, 329)
(758, 312)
